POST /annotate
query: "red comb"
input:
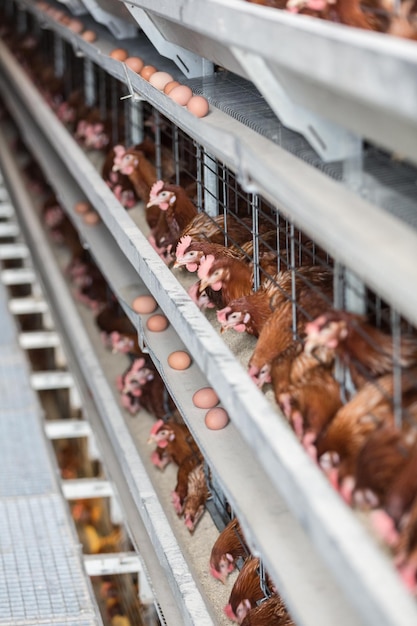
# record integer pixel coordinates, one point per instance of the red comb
(182, 245)
(156, 188)
(221, 315)
(157, 426)
(137, 364)
(205, 265)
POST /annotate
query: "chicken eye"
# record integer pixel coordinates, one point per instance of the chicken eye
(234, 317)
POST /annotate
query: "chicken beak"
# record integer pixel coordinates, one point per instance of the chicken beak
(309, 346)
(295, 5)
(153, 202)
(203, 284)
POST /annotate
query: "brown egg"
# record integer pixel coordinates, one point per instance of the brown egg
(181, 94)
(91, 218)
(170, 86)
(75, 26)
(82, 207)
(144, 304)
(147, 71)
(216, 418)
(119, 54)
(179, 360)
(89, 35)
(198, 106)
(160, 79)
(205, 398)
(157, 323)
(135, 64)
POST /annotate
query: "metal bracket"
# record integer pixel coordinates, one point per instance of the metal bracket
(329, 140)
(132, 94)
(119, 28)
(190, 64)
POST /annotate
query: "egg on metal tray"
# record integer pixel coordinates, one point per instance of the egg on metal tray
(216, 418)
(119, 54)
(170, 86)
(82, 207)
(144, 304)
(181, 94)
(160, 79)
(198, 106)
(91, 218)
(147, 71)
(205, 398)
(157, 323)
(179, 360)
(135, 64)
(89, 35)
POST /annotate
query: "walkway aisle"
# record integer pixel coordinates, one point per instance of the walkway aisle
(42, 578)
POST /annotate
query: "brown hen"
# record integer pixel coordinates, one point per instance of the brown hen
(228, 547)
(247, 590)
(363, 348)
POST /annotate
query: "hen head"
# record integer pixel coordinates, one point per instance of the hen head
(223, 568)
(121, 343)
(161, 434)
(314, 5)
(135, 379)
(125, 162)
(186, 257)
(231, 318)
(191, 517)
(260, 375)
(211, 274)
(160, 196)
(95, 136)
(325, 331)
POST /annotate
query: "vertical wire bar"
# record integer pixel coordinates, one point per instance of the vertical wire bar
(279, 251)
(59, 64)
(293, 289)
(255, 241)
(199, 174)
(102, 96)
(338, 303)
(211, 192)
(22, 22)
(338, 285)
(158, 143)
(355, 300)
(135, 108)
(396, 354)
(89, 82)
(176, 153)
(378, 312)
(262, 579)
(114, 112)
(70, 76)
